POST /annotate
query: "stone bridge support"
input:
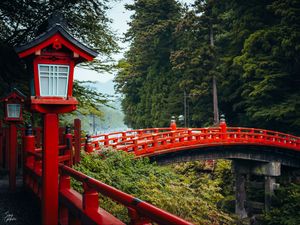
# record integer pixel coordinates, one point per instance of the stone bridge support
(242, 170)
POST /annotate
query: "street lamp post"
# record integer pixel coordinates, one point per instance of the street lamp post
(50, 59)
(13, 115)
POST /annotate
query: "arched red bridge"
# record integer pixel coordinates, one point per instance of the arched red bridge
(182, 144)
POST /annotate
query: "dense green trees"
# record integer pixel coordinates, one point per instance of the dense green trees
(146, 77)
(285, 206)
(250, 47)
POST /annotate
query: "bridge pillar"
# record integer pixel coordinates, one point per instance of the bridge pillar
(269, 170)
(240, 191)
(270, 185)
(240, 195)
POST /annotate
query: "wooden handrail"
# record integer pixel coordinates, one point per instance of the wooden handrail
(142, 208)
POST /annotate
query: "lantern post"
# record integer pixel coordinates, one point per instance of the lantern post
(13, 104)
(50, 59)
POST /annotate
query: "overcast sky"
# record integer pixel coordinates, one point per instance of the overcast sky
(120, 18)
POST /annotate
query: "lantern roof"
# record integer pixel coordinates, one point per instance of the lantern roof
(56, 31)
(15, 94)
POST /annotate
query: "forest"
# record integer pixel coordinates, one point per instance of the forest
(250, 49)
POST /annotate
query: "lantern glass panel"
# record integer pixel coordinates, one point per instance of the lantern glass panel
(53, 79)
(13, 110)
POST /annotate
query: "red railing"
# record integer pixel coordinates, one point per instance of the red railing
(140, 212)
(155, 142)
(76, 208)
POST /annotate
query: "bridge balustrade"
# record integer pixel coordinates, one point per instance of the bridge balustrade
(165, 139)
(76, 208)
(87, 206)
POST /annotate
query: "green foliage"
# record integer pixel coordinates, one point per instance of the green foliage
(145, 78)
(285, 210)
(177, 192)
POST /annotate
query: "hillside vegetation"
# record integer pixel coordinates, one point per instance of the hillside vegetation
(179, 189)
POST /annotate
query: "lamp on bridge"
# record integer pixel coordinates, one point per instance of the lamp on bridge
(50, 60)
(223, 124)
(173, 123)
(13, 103)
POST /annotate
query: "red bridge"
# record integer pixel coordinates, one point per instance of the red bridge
(253, 151)
(183, 144)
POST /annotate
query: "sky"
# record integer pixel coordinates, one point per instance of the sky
(120, 17)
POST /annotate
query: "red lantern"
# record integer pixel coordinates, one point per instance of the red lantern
(51, 59)
(13, 106)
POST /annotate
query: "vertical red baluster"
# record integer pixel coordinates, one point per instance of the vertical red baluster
(106, 141)
(135, 145)
(190, 137)
(223, 127)
(88, 144)
(12, 156)
(124, 137)
(28, 147)
(90, 201)
(64, 183)
(77, 137)
(69, 144)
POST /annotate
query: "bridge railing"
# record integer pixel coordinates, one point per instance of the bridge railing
(33, 158)
(139, 212)
(96, 141)
(76, 208)
(159, 141)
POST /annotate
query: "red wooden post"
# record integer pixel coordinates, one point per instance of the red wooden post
(106, 141)
(90, 201)
(173, 124)
(12, 156)
(135, 145)
(68, 142)
(50, 170)
(77, 137)
(124, 136)
(28, 146)
(88, 145)
(190, 137)
(155, 141)
(223, 127)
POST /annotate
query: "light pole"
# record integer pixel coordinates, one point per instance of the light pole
(13, 115)
(51, 58)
